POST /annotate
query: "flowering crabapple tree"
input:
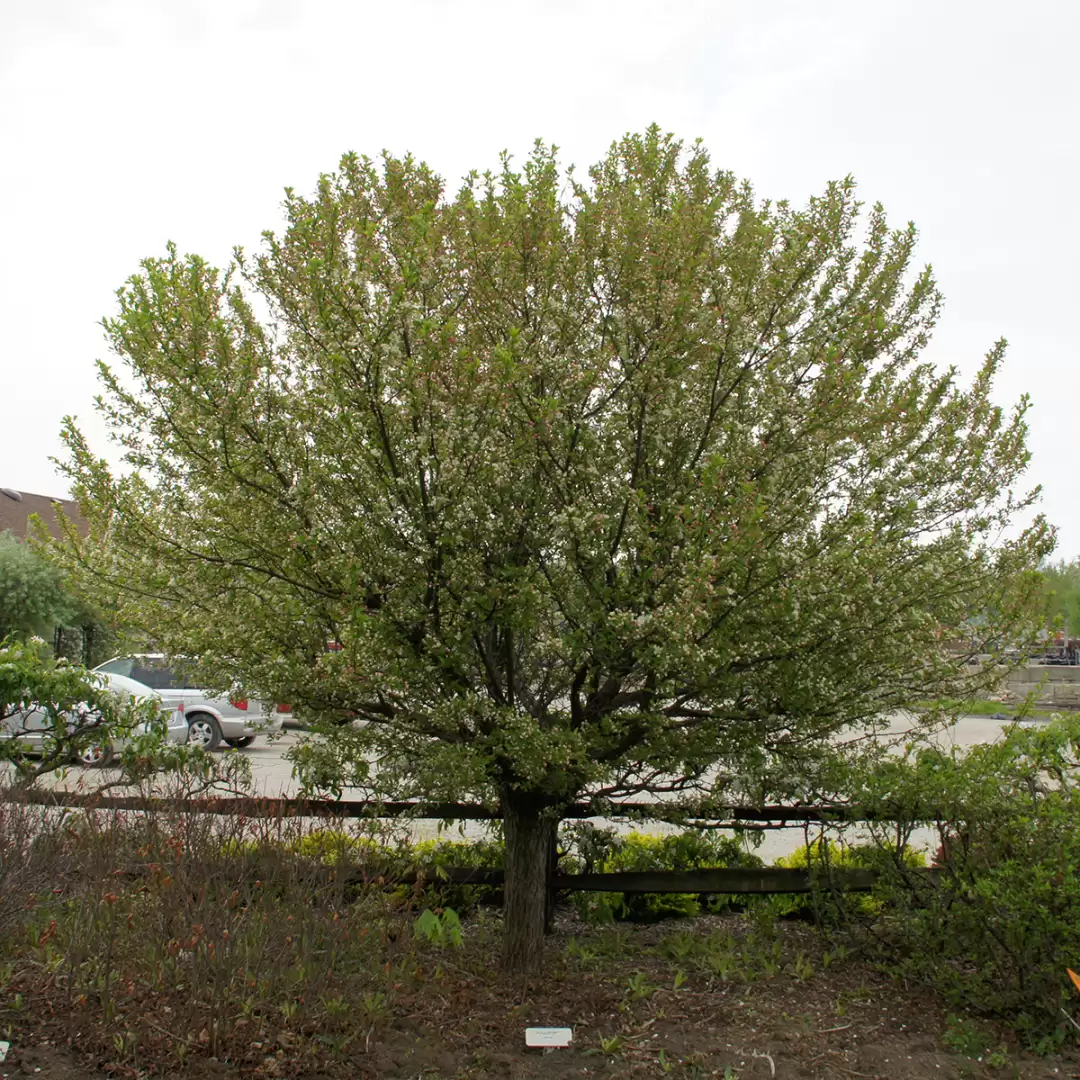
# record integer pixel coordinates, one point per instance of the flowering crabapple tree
(595, 485)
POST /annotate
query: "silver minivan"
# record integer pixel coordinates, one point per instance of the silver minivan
(211, 719)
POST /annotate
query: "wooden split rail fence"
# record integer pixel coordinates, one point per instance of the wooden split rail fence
(763, 880)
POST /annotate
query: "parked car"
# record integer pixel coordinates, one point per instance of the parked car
(211, 718)
(31, 727)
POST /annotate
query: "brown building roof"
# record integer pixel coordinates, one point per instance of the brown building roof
(17, 506)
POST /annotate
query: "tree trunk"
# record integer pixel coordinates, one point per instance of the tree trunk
(529, 824)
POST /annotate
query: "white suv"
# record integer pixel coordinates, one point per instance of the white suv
(211, 719)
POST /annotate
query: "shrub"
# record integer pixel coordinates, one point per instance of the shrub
(1001, 924)
(374, 855)
(602, 851)
(430, 857)
(828, 902)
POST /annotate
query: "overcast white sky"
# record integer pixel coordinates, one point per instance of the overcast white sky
(124, 123)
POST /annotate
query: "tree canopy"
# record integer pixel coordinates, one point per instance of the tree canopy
(563, 485)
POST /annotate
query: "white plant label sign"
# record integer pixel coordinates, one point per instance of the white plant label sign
(548, 1036)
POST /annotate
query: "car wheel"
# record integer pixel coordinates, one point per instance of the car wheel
(95, 756)
(247, 740)
(203, 731)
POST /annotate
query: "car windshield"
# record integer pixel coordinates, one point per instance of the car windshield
(156, 673)
(153, 671)
(121, 666)
(129, 686)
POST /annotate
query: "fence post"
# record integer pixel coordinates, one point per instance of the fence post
(550, 894)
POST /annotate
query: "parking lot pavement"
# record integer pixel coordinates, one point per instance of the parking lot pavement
(271, 772)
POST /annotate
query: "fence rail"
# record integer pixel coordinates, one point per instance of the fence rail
(765, 881)
(274, 807)
(736, 881)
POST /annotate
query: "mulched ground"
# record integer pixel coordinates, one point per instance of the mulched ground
(466, 1022)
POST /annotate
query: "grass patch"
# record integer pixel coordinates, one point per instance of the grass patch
(981, 707)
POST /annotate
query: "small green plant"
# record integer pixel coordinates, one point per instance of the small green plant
(374, 1006)
(763, 920)
(610, 1044)
(583, 954)
(613, 943)
(837, 953)
(638, 987)
(770, 960)
(681, 945)
(722, 965)
(442, 930)
(745, 959)
(336, 1006)
(972, 1040)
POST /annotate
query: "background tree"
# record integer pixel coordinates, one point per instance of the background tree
(1062, 590)
(37, 600)
(33, 600)
(601, 487)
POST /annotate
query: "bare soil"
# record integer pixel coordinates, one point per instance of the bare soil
(638, 998)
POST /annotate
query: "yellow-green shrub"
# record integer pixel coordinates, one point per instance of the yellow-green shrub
(605, 852)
